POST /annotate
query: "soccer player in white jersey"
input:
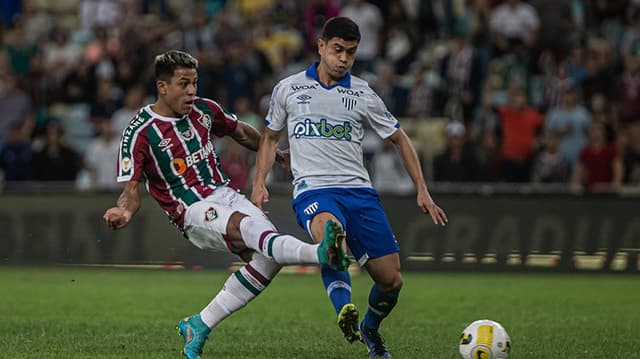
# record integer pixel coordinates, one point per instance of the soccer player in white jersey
(324, 109)
(168, 146)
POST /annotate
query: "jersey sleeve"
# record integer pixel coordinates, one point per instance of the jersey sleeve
(223, 122)
(381, 120)
(277, 115)
(131, 155)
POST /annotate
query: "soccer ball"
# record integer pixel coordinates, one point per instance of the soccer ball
(484, 339)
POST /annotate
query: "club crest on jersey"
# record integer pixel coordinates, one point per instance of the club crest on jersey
(349, 103)
(303, 99)
(125, 164)
(322, 128)
(187, 134)
(311, 209)
(205, 121)
(210, 214)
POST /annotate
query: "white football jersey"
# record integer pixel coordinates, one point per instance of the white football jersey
(326, 127)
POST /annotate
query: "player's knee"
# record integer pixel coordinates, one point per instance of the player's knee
(392, 283)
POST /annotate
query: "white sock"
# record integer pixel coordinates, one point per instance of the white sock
(240, 288)
(260, 235)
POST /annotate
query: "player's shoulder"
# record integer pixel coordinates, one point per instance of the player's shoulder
(140, 120)
(361, 85)
(294, 81)
(201, 102)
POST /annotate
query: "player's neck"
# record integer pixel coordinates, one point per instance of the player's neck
(324, 77)
(163, 110)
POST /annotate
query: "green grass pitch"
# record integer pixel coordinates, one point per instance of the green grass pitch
(115, 313)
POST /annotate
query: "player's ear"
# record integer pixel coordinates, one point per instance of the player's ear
(320, 45)
(162, 87)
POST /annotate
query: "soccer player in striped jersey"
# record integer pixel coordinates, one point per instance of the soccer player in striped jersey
(325, 109)
(168, 147)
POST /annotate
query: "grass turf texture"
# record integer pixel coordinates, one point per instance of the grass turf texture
(116, 313)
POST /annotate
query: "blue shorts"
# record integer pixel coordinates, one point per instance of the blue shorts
(359, 210)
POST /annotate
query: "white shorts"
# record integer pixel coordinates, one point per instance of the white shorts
(205, 222)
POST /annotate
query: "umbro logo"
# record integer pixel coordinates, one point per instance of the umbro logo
(165, 144)
(303, 99)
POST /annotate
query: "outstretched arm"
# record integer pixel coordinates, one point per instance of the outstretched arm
(249, 137)
(412, 164)
(127, 206)
(264, 162)
(246, 135)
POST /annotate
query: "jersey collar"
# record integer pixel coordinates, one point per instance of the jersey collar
(313, 73)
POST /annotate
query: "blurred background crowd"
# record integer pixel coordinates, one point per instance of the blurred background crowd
(501, 91)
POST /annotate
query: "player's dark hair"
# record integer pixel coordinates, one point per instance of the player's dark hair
(340, 27)
(167, 63)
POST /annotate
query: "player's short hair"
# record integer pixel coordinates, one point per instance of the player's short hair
(167, 63)
(340, 27)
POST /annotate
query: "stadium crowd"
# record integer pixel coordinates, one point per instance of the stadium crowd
(543, 91)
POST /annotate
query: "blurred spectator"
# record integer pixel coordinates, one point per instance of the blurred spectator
(576, 64)
(512, 22)
(399, 38)
(485, 119)
(60, 55)
(600, 165)
(9, 10)
(20, 50)
(420, 101)
(602, 111)
(520, 124)
(105, 102)
(599, 78)
(627, 91)
(631, 158)
(101, 157)
(490, 158)
(458, 163)
(389, 175)
(556, 85)
(55, 161)
(245, 114)
(279, 45)
(100, 13)
(15, 156)
(235, 164)
(78, 85)
(15, 107)
(369, 20)
(436, 17)
(386, 85)
(569, 122)
(555, 19)
(133, 101)
(462, 73)
(316, 13)
(238, 77)
(156, 6)
(550, 165)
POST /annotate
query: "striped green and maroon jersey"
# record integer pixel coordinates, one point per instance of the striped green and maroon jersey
(175, 157)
